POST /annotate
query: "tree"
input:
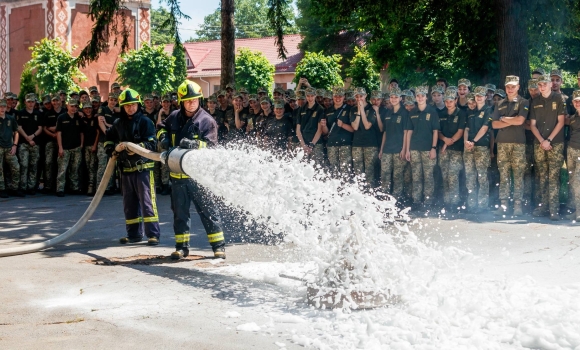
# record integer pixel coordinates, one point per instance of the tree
(228, 43)
(54, 68)
(147, 69)
(253, 70)
(249, 17)
(322, 72)
(27, 84)
(180, 69)
(363, 70)
(159, 34)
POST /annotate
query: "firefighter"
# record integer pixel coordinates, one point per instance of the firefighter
(191, 127)
(138, 184)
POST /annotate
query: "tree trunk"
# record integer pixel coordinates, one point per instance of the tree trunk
(513, 41)
(228, 44)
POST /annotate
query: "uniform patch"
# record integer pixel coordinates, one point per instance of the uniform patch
(8, 124)
(526, 108)
(414, 116)
(516, 105)
(343, 113)
(399, 120)
(100, 111)
(481, 114)
(314, 114)
(77, 123)
(442, 119)
(35, 118)
(538, 106)
(500, 108)
(455, 119)
(554, 106)
(428, 117)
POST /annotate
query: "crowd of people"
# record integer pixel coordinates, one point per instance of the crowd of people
(433, 147)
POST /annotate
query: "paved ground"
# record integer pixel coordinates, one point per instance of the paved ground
(93, 293)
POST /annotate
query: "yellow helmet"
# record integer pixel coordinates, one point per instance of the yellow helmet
(129, 96)
(188, 90)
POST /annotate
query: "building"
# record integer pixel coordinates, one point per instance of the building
(23, 22)
(203, 60)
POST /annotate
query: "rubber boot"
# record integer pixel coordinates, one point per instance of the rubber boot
(219, 252)
(501, 209)
(541, 211)
(518, 209)
(180, 254)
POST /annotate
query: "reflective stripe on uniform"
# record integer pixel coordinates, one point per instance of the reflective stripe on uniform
(173, 140)
(215, 237)
(161, 132)
(182, 237)
(134, 221)
(108, 143)
(150, 219)
(202, 144)
(178, 175)
(153, 201)
(139, 168)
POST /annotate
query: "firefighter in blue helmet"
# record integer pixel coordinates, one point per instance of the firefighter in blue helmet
(191, 127)
(138, 184)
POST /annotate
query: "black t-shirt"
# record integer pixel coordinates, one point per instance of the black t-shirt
(110, 117)
(151, 115)
(277, 131)
(363, 137)
(477, 119)
(394, 126)
(71, 130)
(8, 126)
(90, 129)
(423, 123)
(574, 141)
(295, 119)
(49, 120)
(29, 123)
(337, 136)
(513, 133)
(546, 111)
(450, 124)
(308, 121)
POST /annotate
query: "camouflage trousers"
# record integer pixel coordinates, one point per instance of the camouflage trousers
(161, 171)
(451, 163)
(573, 164)
(317, 154)
(548, 165)
(91, 163)
(511, 159)
(393, 165)
(340, 159)
(50, 151)
(477, 161)
(70, 157)
(530, 175)
(422, 167)
(28, 156)
(102, 160)
(12, 161)
(364, 161)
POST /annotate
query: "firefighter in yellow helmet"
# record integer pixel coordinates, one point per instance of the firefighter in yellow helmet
(191, 127)
(138, 184)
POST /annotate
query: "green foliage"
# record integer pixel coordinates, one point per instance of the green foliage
(363, 70)
(180, 69)
(53, 67)
(159, 34)
(322, 72)
(27, 84)
(253, 70)
(147, 69)
(251, 20)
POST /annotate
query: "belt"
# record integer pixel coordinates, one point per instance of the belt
(178, 175)
(139, 167)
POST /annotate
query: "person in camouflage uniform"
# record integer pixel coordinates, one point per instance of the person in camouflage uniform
(547, 113)
(163, 172)
(90, 127)
(531, 178)
(70, 139)
(8, 146)
(573, 160)
(452, 124)
(477, 155)
(51, 147)
(308, 128)
(339, 133)
(509, 118)
(29, 127)
(106, 116)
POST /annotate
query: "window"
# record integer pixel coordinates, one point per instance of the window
(187, 62)
(281, 85)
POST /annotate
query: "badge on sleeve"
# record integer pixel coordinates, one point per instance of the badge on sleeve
(554, 106)
(428, 116)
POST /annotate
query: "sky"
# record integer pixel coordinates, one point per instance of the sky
(196, 9)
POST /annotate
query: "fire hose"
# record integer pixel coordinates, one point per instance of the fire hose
(173, 158)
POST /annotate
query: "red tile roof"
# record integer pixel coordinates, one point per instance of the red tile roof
(205, 56)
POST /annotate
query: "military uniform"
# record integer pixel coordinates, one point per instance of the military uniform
(511, 150)
(195, 132)
(91, 133)
(339, 143)
(28, 154)
(8, 126)
(308, 121)
(545, 112)
(70, 129)
(392, 165)
(138, 184)
(422, 124)
(162, 170)
(102, 157)
(451, 161)
(277, 132)
(573, 163)
(478, 159)
(50, 149)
